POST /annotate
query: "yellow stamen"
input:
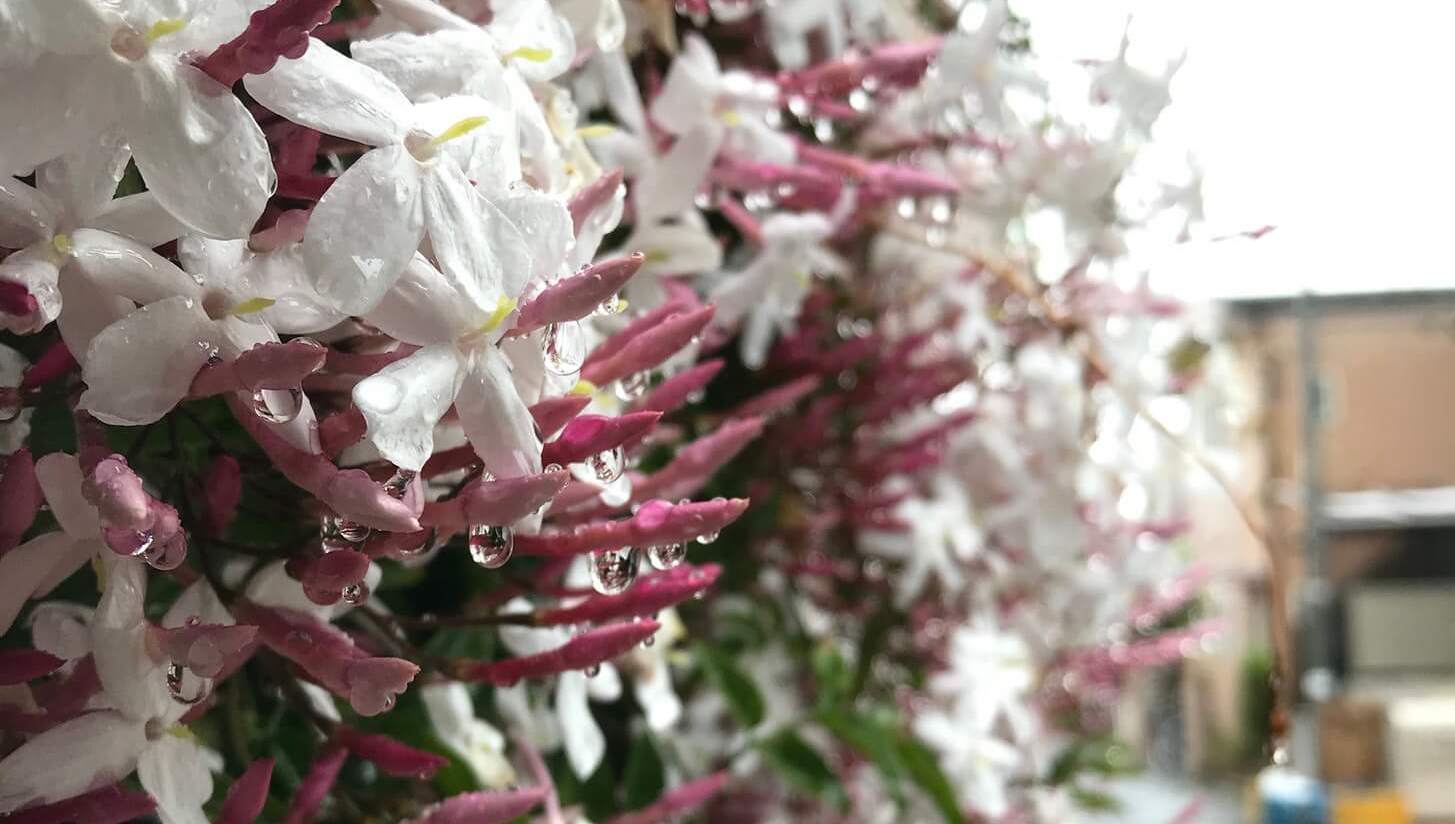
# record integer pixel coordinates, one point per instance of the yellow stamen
(62, 244)
(164, 27)
(532, 53)
(801, 276)
(99, 569)
(583, 387)
(460, 129)
(251, 305)
(730, 117)
(596, 130)
(182, 731)
(655, 256)
(503, 308)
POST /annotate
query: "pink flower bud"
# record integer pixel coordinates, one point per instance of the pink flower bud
(578, 295)
(20, 498)
(247, 795)
(584, 651)
(389, 755)
(649, 348)
(221, 493)
(289, 226)
(20, 665)
(341, 430)
(482, 807)
(593, 196)
(911, 181)
(551, 414)
(53, 363)
(695, 463)
(278, 30)
(202, 648)
(104, 806)
(638, 325)
(265, 366)
(16, 299)
(655, 523)
(325, 577)
(316, 784)
(330, 657)
(647, 596)
(777, 399)
(675, 802)
(588, 435)
(116, 492)
(500, 501)
(674, 391)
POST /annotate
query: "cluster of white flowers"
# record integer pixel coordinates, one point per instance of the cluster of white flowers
(427, 192)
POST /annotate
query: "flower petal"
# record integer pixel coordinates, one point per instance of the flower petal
(335, 95)
(26, 214)
(201, 153)
(497, 423)
(69, 759)
(60, 477)
(24, 570)
(67, 101)
(140, 217)
(125, 267)
(174, 772)
(36, 271)
(133, 682)
(465, 241)
(82, 182)
(91, 309)
(425, 307)
(585, 745)
(139, 367)
(433, 65)
(671, 184)
(365, 229)
(406, 399)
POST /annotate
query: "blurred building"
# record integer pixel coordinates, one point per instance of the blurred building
(1357, 445)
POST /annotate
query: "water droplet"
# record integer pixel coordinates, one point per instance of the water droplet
(706, 538)
(798, 105)
(388, 703)
(613, 305)
(607, 465)
(564, 348)
(666, 556)
(859, 100)
(278, 405)
(613, 570)
(491, 544)
(398, 484)
(905, 208)
(339, 532)
(823, 130)
(593, 670)
(356, 594)
(940, 210)
(144, 541)
(618, 492)
(176, 685)
(650, 640)
(11, 404)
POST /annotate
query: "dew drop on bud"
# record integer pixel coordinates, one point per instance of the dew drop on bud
(278, 405)
(650, 640)
(11, 404)
(706, 538)
(607, 465)
(859, 100)
(564, 348)
(341, 531)
(176, 685)
(491, 544)
(613, 570)
(666, 556)
(613, 305)
(593, 670)
(905, 208)
(618, 492)
(356, 593)
(145, 540)
(398, 484)
(632, 386)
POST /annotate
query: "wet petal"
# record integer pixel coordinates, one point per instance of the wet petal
(174, 771)
(138, 368)
(496, 421)
(327, 91)
(69, 759)
(201, 153)
(365, 230)
(405, 400)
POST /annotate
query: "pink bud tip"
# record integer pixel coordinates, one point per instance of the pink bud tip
(588, 435)
(20, 665)
(248, 794)
(593, 196)
(393, 757)
(482, 807)
(221, 493)
(578, 295)
(315, 786)
(500, 501)
(53, 363)
(654, 523)
(104, 806)
(553, 413)
(675, 802)
(584, 651)
(202, 648)
(649, 348)
(20, 498)
(116, 492)
(16, 300)
(324, 577)
(342, 430)
(279, 30)
(674, 391)
(648, 596)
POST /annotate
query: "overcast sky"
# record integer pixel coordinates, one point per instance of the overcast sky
(1330, 120)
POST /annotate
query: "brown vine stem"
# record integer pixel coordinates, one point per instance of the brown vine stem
(1054, 317)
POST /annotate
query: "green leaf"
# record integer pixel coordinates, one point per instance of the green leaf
(924, 769)
(874, 738)
(801, 765)
(645, 776)
(742, 695)
(1088, 799)
(876, 632)
(832, 673)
